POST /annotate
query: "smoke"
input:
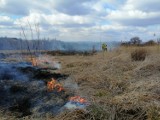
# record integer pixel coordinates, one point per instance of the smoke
(2, 56)
(48, 62)
(71, 84)
(75, 102)
(57, 65)
(8, 71)
(74, 105)
(18, 44)
(21, 93)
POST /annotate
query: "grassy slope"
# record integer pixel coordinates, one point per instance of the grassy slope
(116, 87)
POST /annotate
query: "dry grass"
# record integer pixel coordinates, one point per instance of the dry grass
(139, 55)
(115, 80)
(116, 87)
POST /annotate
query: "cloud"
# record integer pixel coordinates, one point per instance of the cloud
(55, 24)
(136, 13)
(83, 19)
(60, 19)
(134, 17)
(73, 7)
(15, 7)
(143, 5)
(6, 21)
(24, 7)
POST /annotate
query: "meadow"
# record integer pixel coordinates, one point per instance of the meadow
(116, 85)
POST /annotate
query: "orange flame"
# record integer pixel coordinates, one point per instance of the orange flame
(59, 87)
(78, 99)
(53, 85)
(39, 62)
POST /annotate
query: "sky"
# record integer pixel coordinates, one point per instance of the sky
(81, 20)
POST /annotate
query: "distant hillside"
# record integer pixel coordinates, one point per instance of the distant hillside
(18, 44)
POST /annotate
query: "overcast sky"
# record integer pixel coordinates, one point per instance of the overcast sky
(82, 20)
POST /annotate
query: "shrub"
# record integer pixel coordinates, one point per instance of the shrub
(150, 43)
(139, 55)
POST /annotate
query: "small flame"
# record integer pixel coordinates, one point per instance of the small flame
(59, 87)
(45, 62)
(53, 85)
(78, 99)
(76, 102)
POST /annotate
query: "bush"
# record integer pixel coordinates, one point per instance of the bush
(139, 55)
(150, 43)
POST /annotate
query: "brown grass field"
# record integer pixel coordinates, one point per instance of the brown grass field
(117, 87)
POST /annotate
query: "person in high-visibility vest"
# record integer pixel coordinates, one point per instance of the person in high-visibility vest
(104, 47)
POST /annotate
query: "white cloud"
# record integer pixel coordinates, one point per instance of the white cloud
(144, 5)
(73, 7)
(24, 7)
(136, 13)
(6, 21)
(83, 19)
(54, 19)
(5, 18)
(132, 14)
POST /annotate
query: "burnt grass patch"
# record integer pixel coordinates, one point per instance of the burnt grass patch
(29, 97)
(18, 88)
(43, 74)
(22, 107)
(40, 73)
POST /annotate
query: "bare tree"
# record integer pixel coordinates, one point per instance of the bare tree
(135, 41)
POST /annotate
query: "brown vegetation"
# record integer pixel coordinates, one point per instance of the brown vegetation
(117, 86)
(139, 55)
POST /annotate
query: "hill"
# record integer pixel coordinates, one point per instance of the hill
(18, 44)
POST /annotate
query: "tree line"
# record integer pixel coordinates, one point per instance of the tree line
(136, 41)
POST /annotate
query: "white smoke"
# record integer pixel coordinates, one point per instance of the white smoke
(72, 105)
(46, 61)
(71, 84)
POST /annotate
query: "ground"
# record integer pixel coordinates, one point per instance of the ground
(116, 87)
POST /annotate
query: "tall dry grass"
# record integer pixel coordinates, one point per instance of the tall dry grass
(118, 84)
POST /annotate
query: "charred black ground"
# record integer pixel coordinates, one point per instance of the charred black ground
(23, 90)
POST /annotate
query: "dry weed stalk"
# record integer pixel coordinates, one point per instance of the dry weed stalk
(36, 44)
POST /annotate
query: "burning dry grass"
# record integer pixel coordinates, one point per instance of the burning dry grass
(116, 87)
(51, 85)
